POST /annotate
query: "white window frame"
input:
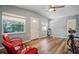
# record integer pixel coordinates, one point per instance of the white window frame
(9, 16)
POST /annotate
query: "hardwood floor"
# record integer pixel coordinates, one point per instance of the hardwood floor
(52, 45)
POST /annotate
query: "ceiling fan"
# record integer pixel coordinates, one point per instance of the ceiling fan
(54, 7)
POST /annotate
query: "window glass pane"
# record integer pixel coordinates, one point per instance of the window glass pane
(13, 25)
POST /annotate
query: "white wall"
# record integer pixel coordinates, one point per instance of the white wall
(28, 14)
(59, 25)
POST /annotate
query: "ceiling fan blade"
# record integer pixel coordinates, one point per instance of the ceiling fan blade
(58, 7)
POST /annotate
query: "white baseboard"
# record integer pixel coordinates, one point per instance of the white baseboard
(59, 36)
(33, 39)
(1, 48)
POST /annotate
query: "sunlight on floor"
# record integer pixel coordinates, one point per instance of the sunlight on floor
(45, 46)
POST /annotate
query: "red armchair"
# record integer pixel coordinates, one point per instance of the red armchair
(17, 46)
(14, 41)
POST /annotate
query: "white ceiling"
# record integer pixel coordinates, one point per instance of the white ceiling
(68, 10)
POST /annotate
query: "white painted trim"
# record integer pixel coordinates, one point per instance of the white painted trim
(33, 39)
(14, 16)
(14, 33)
(63, 37)
(1, 48)
(59, 36)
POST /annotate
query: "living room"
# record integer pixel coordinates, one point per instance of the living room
(33, 22)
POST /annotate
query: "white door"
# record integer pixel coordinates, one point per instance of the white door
(71, 24)
(34, 28)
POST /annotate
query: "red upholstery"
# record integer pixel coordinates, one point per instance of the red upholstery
(14, 41)
(6, 38)
(18, 48)
(32, 51)
(10, 49)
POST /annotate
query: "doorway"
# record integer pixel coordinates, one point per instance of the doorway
(34, 28)
(71, 23)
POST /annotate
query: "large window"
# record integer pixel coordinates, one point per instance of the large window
(44, 26)
(12, 23)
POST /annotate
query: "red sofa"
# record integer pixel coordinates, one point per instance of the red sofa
(17, 46)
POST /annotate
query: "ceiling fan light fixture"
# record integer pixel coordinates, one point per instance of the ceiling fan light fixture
(51, 9)
(54, 7)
